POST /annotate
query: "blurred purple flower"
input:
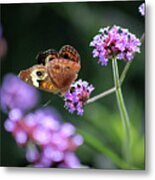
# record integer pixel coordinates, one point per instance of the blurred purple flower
(114, 42)
(71, 160)
(14, 93)
(48, 142)
(142, 9)
(32, 153)
(77, 96)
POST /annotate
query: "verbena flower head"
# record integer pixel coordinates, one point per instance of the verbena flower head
(114, 42)
(142, 9)
(14, 93)
(77, 96)
(48, 142)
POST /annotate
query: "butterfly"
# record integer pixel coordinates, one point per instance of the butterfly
(55, 71)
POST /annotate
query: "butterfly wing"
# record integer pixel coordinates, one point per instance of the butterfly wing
(46, 56)
(63, 73)
(70, 53)
(37, 76)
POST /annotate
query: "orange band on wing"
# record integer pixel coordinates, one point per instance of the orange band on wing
(48, 87)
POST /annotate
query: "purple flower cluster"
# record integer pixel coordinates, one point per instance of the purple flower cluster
(48, 142)
(77, 96)
(115, 42)
(142, 9)
(14, 93)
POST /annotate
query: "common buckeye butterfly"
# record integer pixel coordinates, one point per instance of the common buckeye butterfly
(55, 71)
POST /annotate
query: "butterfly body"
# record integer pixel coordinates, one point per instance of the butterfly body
(55, 72)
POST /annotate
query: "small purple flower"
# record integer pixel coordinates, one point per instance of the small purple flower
(77, 96)
(114, 42)
(142, 9)
(48, 142)
(14, 93)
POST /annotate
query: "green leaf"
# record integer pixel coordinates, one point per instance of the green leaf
(97, 145)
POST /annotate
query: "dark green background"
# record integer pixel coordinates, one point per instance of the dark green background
(31, 28)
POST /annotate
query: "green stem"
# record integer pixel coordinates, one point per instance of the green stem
(101, 95)
(125, 70)
(122, 109)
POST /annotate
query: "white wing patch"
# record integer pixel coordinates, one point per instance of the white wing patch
(34, 79)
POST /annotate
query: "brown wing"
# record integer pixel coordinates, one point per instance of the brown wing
(62, 73)
(45, 56)
(68, 52)
(37, 76)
